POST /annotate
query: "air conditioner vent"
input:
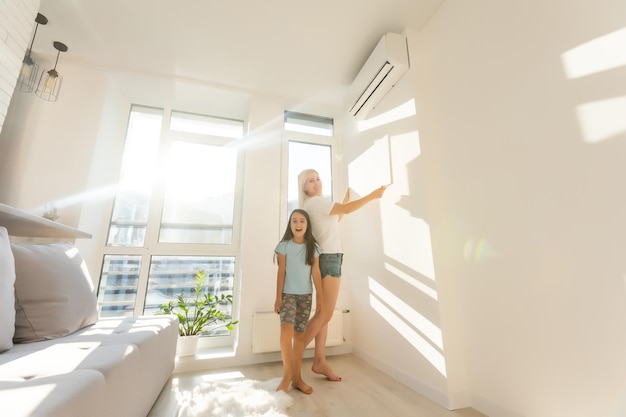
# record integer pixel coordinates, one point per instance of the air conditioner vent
(383, 69)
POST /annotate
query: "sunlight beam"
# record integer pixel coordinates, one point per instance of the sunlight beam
(28, 396)
(412, 281)
(401, 112)
(421, 323)
(224, 376)
(600, 54)
(431, 354)
(372, 168)
(91, 196)
(603, 119)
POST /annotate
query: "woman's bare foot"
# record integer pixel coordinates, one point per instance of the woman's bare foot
(323, 368)
(307, 389)
(284, 385)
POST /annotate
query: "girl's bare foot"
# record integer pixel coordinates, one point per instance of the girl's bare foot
(284, 385)
(324, 369)
(307, 389)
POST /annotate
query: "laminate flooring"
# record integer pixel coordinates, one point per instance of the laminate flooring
(364, 392)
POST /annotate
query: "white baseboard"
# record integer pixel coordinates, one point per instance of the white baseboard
(492, 409)
(448, 401)
(223, 358)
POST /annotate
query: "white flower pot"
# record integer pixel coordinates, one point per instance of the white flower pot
(187, 345)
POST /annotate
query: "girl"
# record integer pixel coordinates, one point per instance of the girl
(326, 215)
(298, 260)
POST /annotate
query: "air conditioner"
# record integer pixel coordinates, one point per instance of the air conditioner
(383, 69)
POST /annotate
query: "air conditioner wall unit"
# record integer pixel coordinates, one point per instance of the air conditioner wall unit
(383, 69)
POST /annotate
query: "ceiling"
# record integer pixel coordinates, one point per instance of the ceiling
(280, 48)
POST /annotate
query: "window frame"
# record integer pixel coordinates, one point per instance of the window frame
(152, 246)
(305, 138)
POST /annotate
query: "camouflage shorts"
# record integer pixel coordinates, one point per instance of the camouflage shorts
(296, 309)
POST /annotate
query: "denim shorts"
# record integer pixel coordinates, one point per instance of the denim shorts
(330, 264)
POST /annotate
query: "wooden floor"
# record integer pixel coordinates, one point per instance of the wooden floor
(364, 392)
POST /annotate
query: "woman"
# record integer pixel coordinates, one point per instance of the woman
(325, 216)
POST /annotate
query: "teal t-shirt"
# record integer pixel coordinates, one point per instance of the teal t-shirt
(297, 272)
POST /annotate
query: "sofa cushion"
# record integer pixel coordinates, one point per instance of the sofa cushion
(54, 293)
(7, 292)
(130, 352)
(77, 393)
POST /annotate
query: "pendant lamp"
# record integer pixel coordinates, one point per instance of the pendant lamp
(28, 74)
(50, 81)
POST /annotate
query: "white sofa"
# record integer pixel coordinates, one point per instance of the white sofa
(57, 357)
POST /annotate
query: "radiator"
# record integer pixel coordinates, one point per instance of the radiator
(266, 332)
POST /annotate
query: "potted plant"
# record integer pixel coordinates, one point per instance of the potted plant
(198, 314)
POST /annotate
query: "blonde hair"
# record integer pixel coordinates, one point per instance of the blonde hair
(301, 181)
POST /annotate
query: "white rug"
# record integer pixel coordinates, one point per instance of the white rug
(242, 398)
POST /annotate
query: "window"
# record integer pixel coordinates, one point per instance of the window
(139, 168)
(199, 194)
(171, 275)
(308, 123)
(206, 125)
(306, 156)
(174, 213)
(308, 149)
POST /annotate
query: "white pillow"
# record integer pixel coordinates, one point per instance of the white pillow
(7, 292)
(53, 291)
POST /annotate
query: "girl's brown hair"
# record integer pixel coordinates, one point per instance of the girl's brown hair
(309, 240)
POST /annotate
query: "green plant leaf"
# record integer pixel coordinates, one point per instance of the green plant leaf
(199, 312)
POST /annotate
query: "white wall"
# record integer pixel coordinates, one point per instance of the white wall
(69, 153)
(397, 322)
(50, 145)
(519, 180)
(17, 20)
(516, 176)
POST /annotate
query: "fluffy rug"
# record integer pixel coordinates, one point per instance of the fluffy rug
(243, 398)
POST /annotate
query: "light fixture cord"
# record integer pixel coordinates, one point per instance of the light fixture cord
(57, 61)
(33, 41)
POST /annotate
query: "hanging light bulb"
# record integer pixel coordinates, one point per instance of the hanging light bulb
(49, 84)
(28, 74)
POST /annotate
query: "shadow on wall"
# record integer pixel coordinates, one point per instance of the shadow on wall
(402, 291)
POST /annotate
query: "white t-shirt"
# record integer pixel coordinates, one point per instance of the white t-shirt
(325, 226)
